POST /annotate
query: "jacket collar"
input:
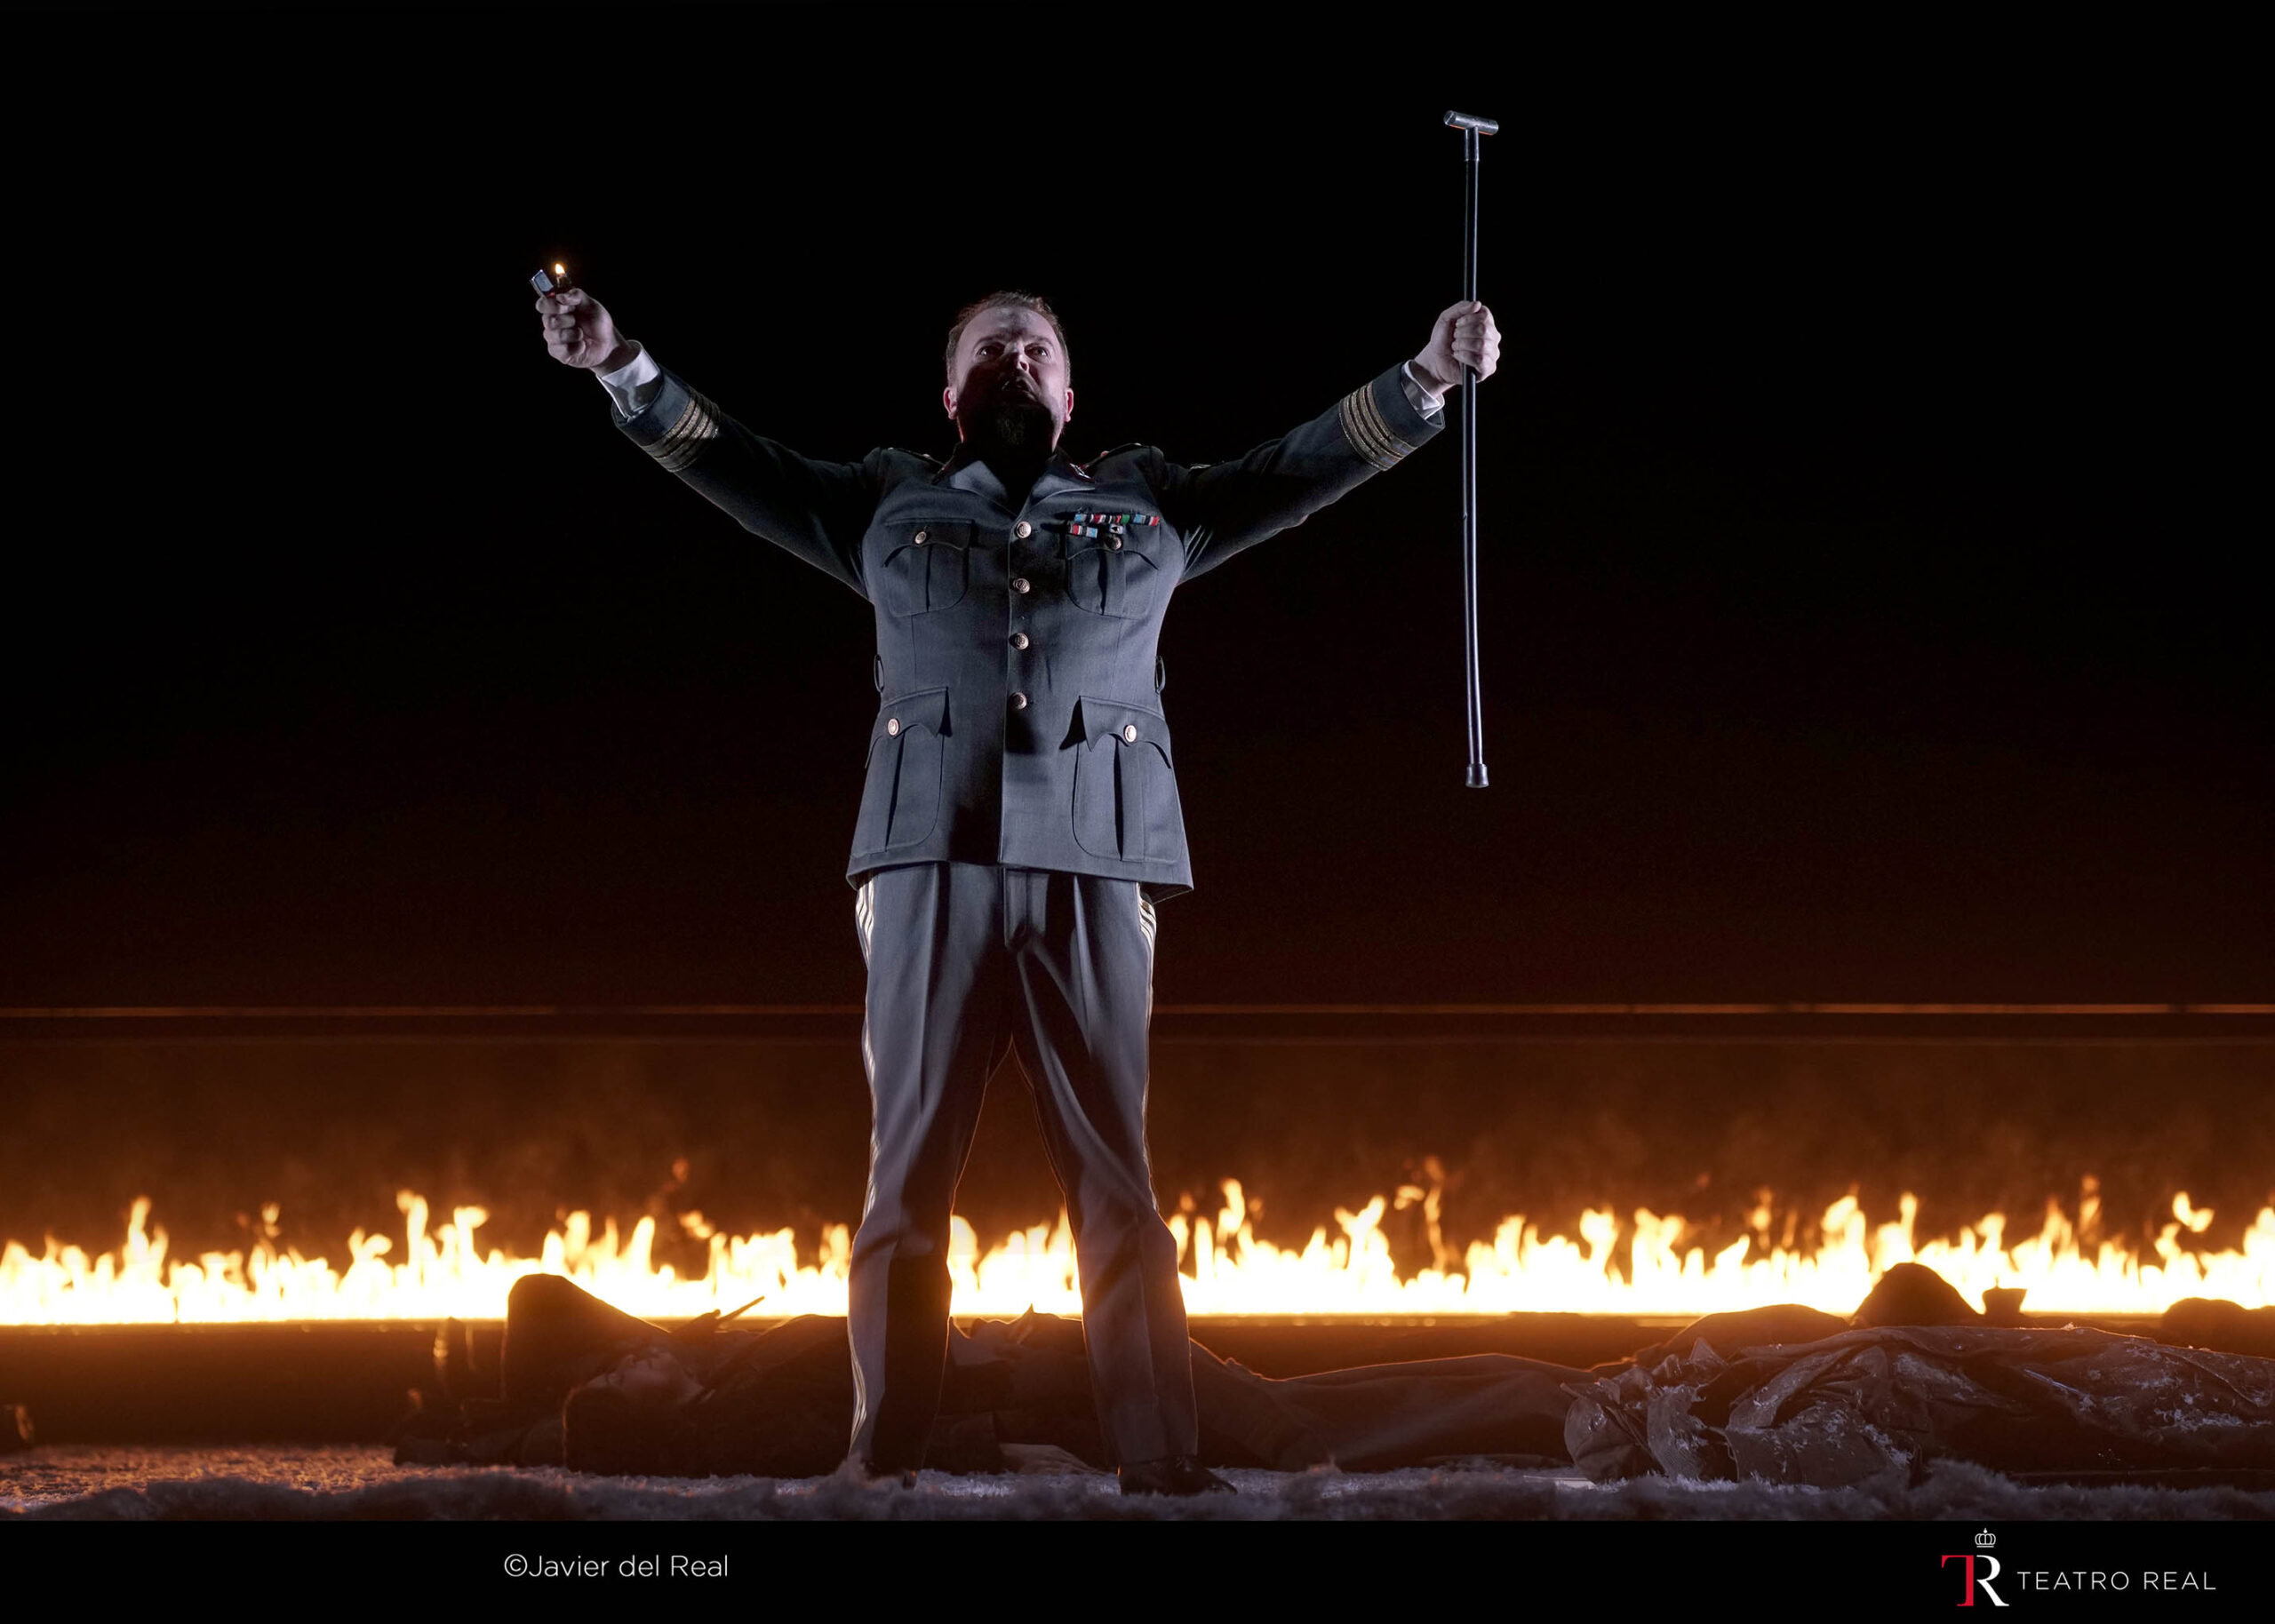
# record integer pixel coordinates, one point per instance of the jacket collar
(965, 472)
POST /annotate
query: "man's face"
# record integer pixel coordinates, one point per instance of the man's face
(1011, 386)
(650, 1374)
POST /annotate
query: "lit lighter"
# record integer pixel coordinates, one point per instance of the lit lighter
(553, 282)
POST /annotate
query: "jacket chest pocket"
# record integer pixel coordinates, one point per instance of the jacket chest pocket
(920, 566)
(1117, 573)
(1125, 783)
(900, 802)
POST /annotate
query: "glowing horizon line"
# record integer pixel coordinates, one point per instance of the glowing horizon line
(180, 1012)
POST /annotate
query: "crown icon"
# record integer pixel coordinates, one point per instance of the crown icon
(1985, 1539)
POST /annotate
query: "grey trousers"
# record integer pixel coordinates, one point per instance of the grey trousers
(967, 960)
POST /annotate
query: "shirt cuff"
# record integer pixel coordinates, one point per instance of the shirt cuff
(1426, 400)
(632, 385)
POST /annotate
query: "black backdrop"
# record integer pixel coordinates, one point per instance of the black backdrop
(1866, 515)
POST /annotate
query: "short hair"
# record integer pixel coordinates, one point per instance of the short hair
(1004, 299)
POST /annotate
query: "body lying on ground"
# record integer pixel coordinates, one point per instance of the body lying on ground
(1785, 1394)
(594, 1389)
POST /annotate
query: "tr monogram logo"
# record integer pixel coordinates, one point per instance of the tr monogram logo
(1972, 1579)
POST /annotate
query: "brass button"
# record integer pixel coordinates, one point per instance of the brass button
(892, 727)
(1114, 542)
(1129, 733)
(1023, 529)
(1018, 639)
(1019, 583)
(1018, 702)
(920, 536)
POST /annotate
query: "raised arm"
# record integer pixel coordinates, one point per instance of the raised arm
(817, 510)
(1221, 508)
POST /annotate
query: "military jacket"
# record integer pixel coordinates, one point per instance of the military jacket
(1020, 720)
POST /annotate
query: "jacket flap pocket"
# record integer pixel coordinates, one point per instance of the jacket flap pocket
(929, 533)
(927, 708)
(1126, 724)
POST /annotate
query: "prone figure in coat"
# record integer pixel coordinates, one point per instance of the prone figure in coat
(1785, 1394)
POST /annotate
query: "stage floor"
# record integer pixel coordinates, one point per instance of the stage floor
(328, 1483)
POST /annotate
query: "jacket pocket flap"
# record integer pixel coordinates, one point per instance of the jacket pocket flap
(929, 533)
(1126, 724)
(927, 708)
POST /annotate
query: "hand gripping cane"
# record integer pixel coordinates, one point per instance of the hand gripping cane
(1474, 132)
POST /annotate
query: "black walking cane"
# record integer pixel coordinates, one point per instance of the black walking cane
(1474, 132)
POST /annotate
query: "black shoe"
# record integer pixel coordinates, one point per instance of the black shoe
(1171, 1475)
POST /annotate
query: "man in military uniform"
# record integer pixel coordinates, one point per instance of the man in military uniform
(1020, 816)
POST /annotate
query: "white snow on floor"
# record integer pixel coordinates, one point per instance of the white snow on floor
(350, 1483)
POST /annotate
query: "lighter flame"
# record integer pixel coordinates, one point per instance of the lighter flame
(440, 1270)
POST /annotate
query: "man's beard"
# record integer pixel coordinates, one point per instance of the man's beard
(1009, 420)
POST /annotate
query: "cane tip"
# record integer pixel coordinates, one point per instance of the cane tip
(1476, 775)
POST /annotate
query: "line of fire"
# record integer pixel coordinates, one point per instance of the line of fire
(1647, 1166)
(1387, 1251)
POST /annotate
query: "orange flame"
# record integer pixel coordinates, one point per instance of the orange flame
(441, 1270)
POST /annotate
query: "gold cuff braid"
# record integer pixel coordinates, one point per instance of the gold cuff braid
(1368, 434)
(690, 437)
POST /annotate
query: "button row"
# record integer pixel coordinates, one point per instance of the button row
(1018, 702)
(1023, 529)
